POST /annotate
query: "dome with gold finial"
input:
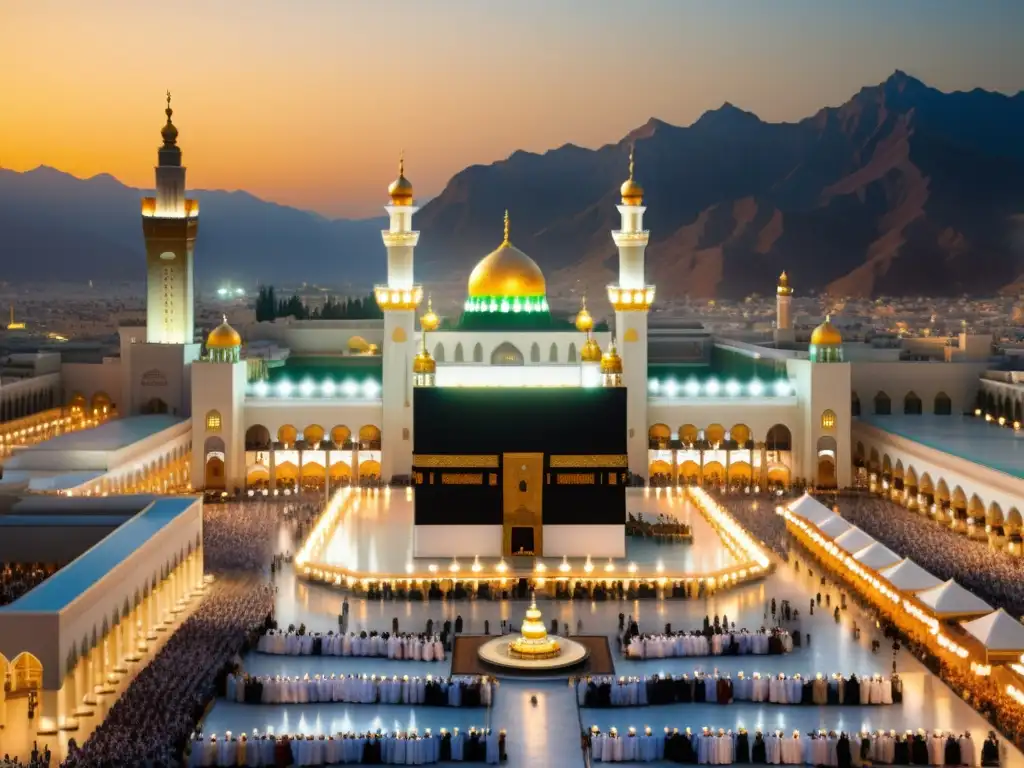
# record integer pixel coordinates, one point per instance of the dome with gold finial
(826, 334)
(223, 337)
(784, 289)
(507, 280)
(423, 362)
(400, 190)
(591, 352)
(533, 641)
(584, 322)
(632, 192)
(430, 321)
(610, 360)
(169, 132)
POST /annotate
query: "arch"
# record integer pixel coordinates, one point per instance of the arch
(778, 475)
(886, 466)
(925, 484)
(287, 434)
(213, 421)
(714, 472)
(100, 404)
(76, 402)
(213, 461)
(659, 433)
(505, 353)
(553, 353)
(1014, 522)
(994, 515)
(689, 471)
(26, 673)
(827, 453)
(313, 434)
(874, 461)
(943, 405)
(976, 508)
(715, 434)
(912, 405)
(858, 454)
(287, 473)
(689, 434)
(740, 472)
(340, 434)
(257, 475)
(534, 353)
(314, 475)
(942, 491)
(369, 470)
(572, 352)
(828, 419)
(478, 353)
(340, 471)
(358, 345)
(155, 405)
(910, 479)
(897, 470)
(883, 405)
(439, 352)
(459, 356)
(740, 434)
(369, 437)
(854, 405)
(659, 467)
(779, 438)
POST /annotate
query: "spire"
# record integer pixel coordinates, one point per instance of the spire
(784, 288)
(400, 190)
(505, 241)
(632, 148)
(631, 191)
(169, 131)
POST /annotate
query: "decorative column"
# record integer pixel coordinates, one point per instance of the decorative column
(632, 299)
(398, 299)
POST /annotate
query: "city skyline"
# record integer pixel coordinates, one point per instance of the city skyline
(320, 123)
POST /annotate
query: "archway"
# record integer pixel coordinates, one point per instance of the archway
(658, 436)
(369, 470)
(883, 405)
(778, 476)
(828, 420)
(740, 472)
(1014, 522)
(505, 354)
(714, 473)
(156, 405)
(854, 405)
(459, 355)
(912, 405)
(943, 405)
(314, 476)
(101, 404)
(287, 435)
(313, 435)
(779, 438)
(976, 510)
(688, 434)
(994, 516)
(369, 438)
(341, 473)
(76, 403)
(340, 435)
(874, 462)
(715, 435)
(689, 471)
(827, 461)
(214, 457)
(553, 353)
(478, 354)
(257, 438)
(572, 352)
(439, 352)
(740, 435)
(286, 474)
(535, 352)
(26, 673)
(257, 476)
(660, 471)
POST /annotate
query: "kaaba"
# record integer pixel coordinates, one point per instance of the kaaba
(538, 471)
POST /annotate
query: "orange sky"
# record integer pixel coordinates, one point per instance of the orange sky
(309, 103)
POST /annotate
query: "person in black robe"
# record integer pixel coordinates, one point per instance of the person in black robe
(458, 624)
(990, 750)
(844, 755)
(759, 752)
(901, 751)
(919, 750)
(952, 750)
(865, 747)
(742, 753)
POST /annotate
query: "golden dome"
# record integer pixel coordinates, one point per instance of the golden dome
(223, 337)
(169, 132)
(632, 192)
(591, 352)
(826, 334)
(506, 272)
(430, 321)
(584, 322)
(423, 362)
(784, 289)
(610, 360)
(400, 190)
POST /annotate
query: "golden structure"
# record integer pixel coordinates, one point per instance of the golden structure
(632, 192)
(784, 288)
(223, 337)
(533, 642)
(395, 299)
(611, 363)
(423, 363)
(584, 322)
(400, 190)
(631, 299)
(826, 334)
(13, 325)
(430, 321)
(506, 272)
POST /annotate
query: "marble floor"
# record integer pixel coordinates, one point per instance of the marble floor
(546, 733)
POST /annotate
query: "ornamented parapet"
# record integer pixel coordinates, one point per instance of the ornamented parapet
(390, 299)
(631, 299)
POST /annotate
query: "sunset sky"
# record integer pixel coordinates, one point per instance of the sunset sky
(309, 103)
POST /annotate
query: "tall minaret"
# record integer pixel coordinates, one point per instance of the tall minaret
(169, 224)
(784, 312)
(632, 298)
(398, 299)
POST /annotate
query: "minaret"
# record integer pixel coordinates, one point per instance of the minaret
(169, 224)
(398, 300)
(783, 312)
(632, 298)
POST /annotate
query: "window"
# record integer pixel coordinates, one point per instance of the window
(828, 420)
(213, 421)
(883, 405)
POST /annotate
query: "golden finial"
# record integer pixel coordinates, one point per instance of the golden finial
(632, 147)
(401, 163)
(783, 287)
(584, 322)
(631, 191)
(505, 241)
(430, 321)
(169, 132)
(400, 190)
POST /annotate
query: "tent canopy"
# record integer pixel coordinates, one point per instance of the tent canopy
(998, 631)
(810, 509)
(950, 599)
(876, 556)
(835, 526)
(908, 576)
(854, 540)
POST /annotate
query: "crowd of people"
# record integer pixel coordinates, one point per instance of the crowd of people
(835, 748)
(668, 644)
(18, 578)
(411, 647)
(38, 758)
(715, 688)
(459, 691)
(756, 513)
(992, 575)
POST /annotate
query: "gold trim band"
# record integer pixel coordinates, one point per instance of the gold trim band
(589, 462)
(454, 460)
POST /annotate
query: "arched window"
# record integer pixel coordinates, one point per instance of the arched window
(572, 352)
(912, 404)
(883, 405)
(943, 405)
(553, 355)
(828, 420)
(439, 352)
(478, 353)
(213, 421)
(535, 352)
(459, 358)
(855, 405)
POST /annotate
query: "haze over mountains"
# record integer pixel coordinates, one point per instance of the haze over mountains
(903, 189)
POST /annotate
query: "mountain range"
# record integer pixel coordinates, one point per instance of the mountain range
(903, 189)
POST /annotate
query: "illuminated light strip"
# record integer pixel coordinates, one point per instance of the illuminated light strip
(389, 298)
(712, 387)
(1015, 694)
(507, 304)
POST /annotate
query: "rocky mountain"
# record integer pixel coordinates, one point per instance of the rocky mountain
(902, 189)
(57, 224)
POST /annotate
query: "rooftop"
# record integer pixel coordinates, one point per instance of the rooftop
(111, 436)
(79, 576)
(967, 437)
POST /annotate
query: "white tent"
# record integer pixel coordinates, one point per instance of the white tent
(835, 526)
(810, 509)
(854, 540)
(876, 556)
(1000, 633)
(950, 600)
(908, 576)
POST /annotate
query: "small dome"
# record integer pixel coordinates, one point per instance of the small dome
(632, 192)
(826, 334)
(169, 132)
(430, 321)
(424, 363)
(506, 272)
(584, 322)
(591, 352)
(784, 288)
(223, 337)
(400, 190)
(610, 360)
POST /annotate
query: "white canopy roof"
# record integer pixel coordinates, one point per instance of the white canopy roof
(835, 526)
(876, 556)
(810, 509)
(998, 631)
(908, 576)
(854, 540)
(950, 598)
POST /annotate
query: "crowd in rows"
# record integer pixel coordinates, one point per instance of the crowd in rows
(757, 515)
(371, 748)
(693, 643)
(18, 578)
(412, 647)
(818, 748)
(459, 691)
(608, 691)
